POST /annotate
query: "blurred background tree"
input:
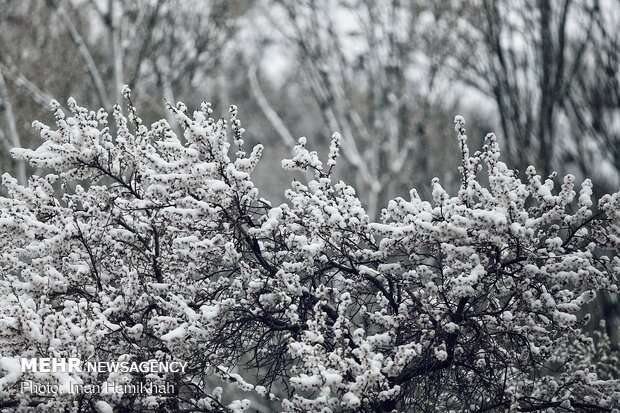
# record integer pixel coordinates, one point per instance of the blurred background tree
(366, 68)
(89, 49)
(388, 75)
(550, 67)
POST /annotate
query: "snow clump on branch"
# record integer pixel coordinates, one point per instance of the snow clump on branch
(144, 245)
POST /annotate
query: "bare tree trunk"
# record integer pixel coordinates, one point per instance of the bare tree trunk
(144, 48)
(13, 135)
(91, 67)
(547, 87)
(116, 51)
(168, 94)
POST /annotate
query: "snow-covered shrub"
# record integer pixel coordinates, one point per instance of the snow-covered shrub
(143, 245)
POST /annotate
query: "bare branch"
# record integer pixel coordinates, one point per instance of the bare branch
(38, 95)
(268, 111)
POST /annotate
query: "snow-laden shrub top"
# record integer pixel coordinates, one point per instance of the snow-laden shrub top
(144, 245)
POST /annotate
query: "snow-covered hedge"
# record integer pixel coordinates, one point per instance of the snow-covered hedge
(143, 245)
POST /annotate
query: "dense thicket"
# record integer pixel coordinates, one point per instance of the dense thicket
(145, 245)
